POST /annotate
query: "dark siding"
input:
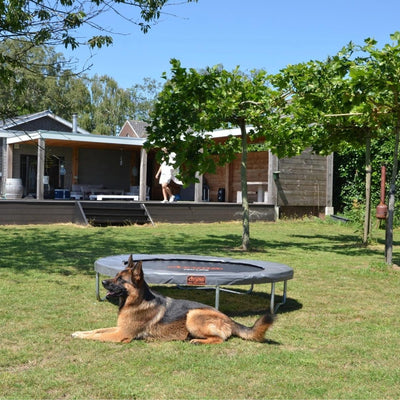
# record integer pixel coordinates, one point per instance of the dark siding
(21, 212)
(102, 167)
(37, 212)
(186, 212)
(44, 123)
(302, 180)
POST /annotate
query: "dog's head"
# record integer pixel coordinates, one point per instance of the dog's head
(126, 284)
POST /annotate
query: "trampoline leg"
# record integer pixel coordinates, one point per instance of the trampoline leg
(217, 297)
(284, 292)
(98, 287)
(272, 301)
(273, 307)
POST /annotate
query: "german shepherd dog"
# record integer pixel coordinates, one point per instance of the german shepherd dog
(144, 314)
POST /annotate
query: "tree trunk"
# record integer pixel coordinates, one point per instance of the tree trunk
(368, 172)
(245, 199)
(392, 192)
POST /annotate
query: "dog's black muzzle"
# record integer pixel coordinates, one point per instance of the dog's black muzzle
(114, 290)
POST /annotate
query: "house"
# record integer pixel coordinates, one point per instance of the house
(295, 186)
(132, 128)
(50, 154)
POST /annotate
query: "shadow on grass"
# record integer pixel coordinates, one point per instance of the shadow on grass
(63, 251)
(336, 244)
(67, 251)
(234, 305)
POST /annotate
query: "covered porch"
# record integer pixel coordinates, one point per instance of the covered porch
(48, 161)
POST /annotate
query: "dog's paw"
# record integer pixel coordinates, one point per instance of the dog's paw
(78, 335)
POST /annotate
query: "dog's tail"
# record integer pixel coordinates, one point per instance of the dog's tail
(257, 331)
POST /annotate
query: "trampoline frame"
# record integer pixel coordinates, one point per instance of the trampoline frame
(113, 270)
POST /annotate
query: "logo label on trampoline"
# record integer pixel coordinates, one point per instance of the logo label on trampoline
(196, 280)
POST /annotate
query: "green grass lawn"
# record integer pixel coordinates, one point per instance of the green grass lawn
(338, 337)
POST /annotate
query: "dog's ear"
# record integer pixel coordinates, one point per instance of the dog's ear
(137, 271)
(130, 263)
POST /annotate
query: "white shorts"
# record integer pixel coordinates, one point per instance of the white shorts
(165, 179)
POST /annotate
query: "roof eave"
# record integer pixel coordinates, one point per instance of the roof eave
(76, 137)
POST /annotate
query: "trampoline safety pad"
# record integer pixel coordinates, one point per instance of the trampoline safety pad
(200, 272)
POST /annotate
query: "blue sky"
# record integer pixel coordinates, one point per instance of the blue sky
(252, 34)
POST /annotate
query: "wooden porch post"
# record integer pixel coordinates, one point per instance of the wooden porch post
(132, 167)
(40, 169)
(228, 182)
(10, 154)
(75, 165)
(272, 192)
(143, 175)
(198, 188)
(329, 185)
(6, 150)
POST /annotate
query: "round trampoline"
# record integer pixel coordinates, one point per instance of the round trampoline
(200, 272)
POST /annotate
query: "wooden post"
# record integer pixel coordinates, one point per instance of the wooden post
(198, 188)
(7, 152)
(10, 154)
(368, 180)
(132, 166)
(228, 182)
(143, 175)
(329, 185)
(40, 169)
(75, 165)
(272, 192)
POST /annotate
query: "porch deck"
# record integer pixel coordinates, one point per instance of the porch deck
(30, 211)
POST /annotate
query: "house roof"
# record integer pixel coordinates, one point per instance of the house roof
(5, 134)
(133, 133)
(134, 128)
(221, 133)
(224, 133)
(22, 129)
(56, 137)
(15, 122)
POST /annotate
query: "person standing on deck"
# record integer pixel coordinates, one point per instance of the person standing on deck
(167, 172)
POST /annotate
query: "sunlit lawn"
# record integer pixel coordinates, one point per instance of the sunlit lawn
(337, 337)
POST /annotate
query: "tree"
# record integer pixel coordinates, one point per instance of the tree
(349, 99)
(195, 102)
(380, 68)
(111, 106)
(350, 181)
(47, 84)
(51, 23)
(58, 22)
(324, 110)
(143, 95)
(102, 106)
